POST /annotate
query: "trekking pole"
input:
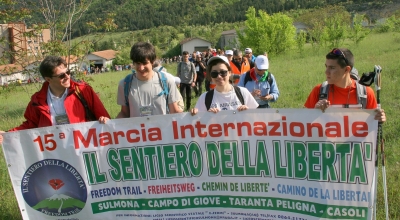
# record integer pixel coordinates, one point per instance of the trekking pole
(377, 79)
(378, 69)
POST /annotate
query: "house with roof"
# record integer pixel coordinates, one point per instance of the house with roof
(100, 58)
(194, 44)
(15, 73)
(229, 39)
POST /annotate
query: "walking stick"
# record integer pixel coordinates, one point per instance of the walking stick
(379, 139)
(378, 70)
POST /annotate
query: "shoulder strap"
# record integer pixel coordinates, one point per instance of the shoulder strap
(269, 79)
(164, 85)
(324, 90)
(239, 94)
(361, 95)
(127, 86)
(88, 114)
(209, 97)
(247, 78)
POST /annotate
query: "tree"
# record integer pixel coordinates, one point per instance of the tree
(358, 32)
(263, 33)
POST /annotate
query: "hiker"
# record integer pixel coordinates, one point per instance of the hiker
(200, 66)
(342, 91)
(146, 92)
(260, 82)
(239, 65)
(248, 53)
(186, 71)
(61, 100)
(225, 96)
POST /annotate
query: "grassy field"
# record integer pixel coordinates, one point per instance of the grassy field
(296, 75)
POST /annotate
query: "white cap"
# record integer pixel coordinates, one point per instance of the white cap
(229, 52)
(223, 58)
(262, 62)
(248, 50)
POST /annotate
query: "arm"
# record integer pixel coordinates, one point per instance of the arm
(124, 113)
(174, 108)
(194, 74)
(32, 117)
(95, 104)
(274, 91)
(178, 70)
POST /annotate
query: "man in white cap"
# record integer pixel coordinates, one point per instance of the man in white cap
(261, 83)
(248, 53)
(229, 55)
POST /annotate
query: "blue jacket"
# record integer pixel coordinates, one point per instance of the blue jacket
(265, 88)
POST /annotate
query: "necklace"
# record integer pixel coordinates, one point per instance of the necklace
(346, 105)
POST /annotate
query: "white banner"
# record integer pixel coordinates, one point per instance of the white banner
(257, 164)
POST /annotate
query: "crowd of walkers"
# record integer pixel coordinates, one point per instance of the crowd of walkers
(233, 81)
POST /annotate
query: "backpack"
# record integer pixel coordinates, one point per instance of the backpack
(210, 95)
(163, 82)
(361, 90)
(248, 78)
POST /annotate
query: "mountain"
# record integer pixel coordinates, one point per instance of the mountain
(55, 201)
(132, 15)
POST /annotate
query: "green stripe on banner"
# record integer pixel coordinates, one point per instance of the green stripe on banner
(263, 203)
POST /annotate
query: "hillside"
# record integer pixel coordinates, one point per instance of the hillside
(131, 15)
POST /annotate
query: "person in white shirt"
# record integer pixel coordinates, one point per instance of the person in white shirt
(224, 96)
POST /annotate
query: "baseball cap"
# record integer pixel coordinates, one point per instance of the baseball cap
(248, 50)
(223, 58)
(262, 62)
(229, 52)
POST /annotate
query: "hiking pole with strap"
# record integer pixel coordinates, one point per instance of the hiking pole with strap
(378, 71)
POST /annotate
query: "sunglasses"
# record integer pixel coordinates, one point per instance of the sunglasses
(338, 52)
(62, 75)
(222, 73)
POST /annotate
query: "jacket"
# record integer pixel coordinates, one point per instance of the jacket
(37, 113)
(245, 66)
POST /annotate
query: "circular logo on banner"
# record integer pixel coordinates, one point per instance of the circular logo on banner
(54, 187)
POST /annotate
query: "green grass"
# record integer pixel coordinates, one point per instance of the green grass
(296, 75)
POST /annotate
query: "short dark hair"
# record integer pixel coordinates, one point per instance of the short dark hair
(185, 53)
(213, 63)
(48, 65)
(142, 51)
(348, 55)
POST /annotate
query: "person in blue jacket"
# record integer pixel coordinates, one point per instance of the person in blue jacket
(260, 82)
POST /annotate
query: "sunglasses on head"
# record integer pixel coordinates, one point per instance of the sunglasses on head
(62, 75)
(223, 73)
(338, 52)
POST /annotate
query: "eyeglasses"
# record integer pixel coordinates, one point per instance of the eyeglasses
(338, 52)
(62, 75)
(222, 73)
(237, 59)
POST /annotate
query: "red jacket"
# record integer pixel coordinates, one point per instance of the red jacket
(37, 114)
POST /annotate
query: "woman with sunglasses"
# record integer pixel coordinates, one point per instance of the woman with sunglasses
(225, 95)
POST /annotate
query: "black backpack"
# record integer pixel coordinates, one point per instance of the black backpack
(210, 95)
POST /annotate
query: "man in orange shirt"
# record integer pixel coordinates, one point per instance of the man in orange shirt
(239, 66)
(342, 90)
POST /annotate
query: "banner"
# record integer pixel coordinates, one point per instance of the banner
(255, 164)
